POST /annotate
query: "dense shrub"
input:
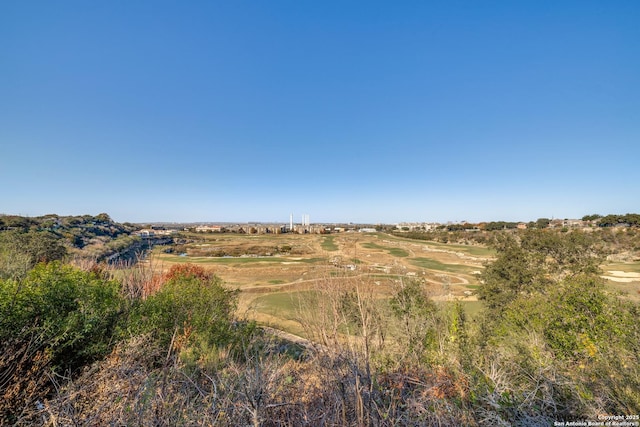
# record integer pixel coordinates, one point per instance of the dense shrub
(556, 344)
(591, 337)
(21, 251)
(191, 311)
(72, 312)
(52, 322)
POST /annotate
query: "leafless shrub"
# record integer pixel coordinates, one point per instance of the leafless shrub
(23, 380)
(139, 278)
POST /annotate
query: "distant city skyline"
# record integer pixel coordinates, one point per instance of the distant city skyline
(305, 220)
(364, 112)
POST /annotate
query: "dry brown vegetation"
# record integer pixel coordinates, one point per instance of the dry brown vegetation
(381, 347)
(257, 268)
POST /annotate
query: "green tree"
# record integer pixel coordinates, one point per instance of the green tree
(500, 225)
(514, 272)
(591, 334)
(20, 251)
(542, 222)
(632, 219)
(534, 261)
(17, 222)
(592, 217)
(417, 314)
(103, 217)
(567, 253)
(549, 320)
(192, 305)
(612, 220)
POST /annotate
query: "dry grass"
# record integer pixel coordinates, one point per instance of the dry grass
(310, 264)
(351, 373)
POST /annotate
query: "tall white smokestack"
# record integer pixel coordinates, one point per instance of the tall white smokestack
(291, 222)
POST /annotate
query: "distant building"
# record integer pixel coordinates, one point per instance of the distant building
(417, 226)
(367, 230)
(209, 229)
(165, 232)
(568, 223)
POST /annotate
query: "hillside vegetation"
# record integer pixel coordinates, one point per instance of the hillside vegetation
(25, 241)
(93, 346)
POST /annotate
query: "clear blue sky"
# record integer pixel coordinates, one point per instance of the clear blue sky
(359, 111)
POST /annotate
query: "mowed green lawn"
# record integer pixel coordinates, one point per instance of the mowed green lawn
(477, 251)
(433, 264)
(284, 305)
(287, 306)
(328, 243)
(397, 252)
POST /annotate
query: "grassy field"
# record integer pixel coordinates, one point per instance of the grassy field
(286, 306)
(218, 260)
(397, 252)
(282, 304)
(478, 251)
(472, 250)
(271, 284)
(433, 264)
(328, 243)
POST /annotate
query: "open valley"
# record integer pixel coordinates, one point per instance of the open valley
(271, 270)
